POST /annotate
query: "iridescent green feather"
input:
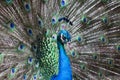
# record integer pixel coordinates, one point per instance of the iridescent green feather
(48, 56)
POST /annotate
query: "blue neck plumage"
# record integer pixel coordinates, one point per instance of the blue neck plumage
(65, 72)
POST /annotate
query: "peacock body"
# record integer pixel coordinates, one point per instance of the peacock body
(59, 40)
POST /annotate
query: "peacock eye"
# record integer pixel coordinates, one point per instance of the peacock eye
(24, 77)
(110, 62)
(40, 76)
(40, 23)
(73, 53)
(21, 47)
(118, 47)
(27, 7)
(82, 66)
(30, 60)
(1, 57)
(54, 37)
(103, 39)
(30, 32)
(12, 70)
(35, 77)
(95, 56)
(105, 20)
(11, 26)
(79, 38)
(84, 19)
(8, 1)
(54, 20)
(100, 74)
(63, 3)
(34, 48)
(37, 64)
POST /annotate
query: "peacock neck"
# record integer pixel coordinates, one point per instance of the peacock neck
(64, 63)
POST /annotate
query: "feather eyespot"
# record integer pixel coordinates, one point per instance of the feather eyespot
(63, 3)
(30, 32)
(118, 47)
(103, 39)
(24, 77)
(40, 23)
(95, 56)
(30, 60)
(100, 74)
(110, 62)
(105, 20)
(84, 19)
(9, 1)
(37, 64)
(79, 39)
(73, 53)
(34, 48)
(21, 47)
(54, 37)
(13, 70)
(54, 20)
(11, 26)
(27, 6)
(35, 77)
(83, 66)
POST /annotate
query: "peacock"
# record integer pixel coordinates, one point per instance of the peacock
(59, 39)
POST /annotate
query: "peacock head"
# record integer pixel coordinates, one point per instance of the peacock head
(63, 36)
